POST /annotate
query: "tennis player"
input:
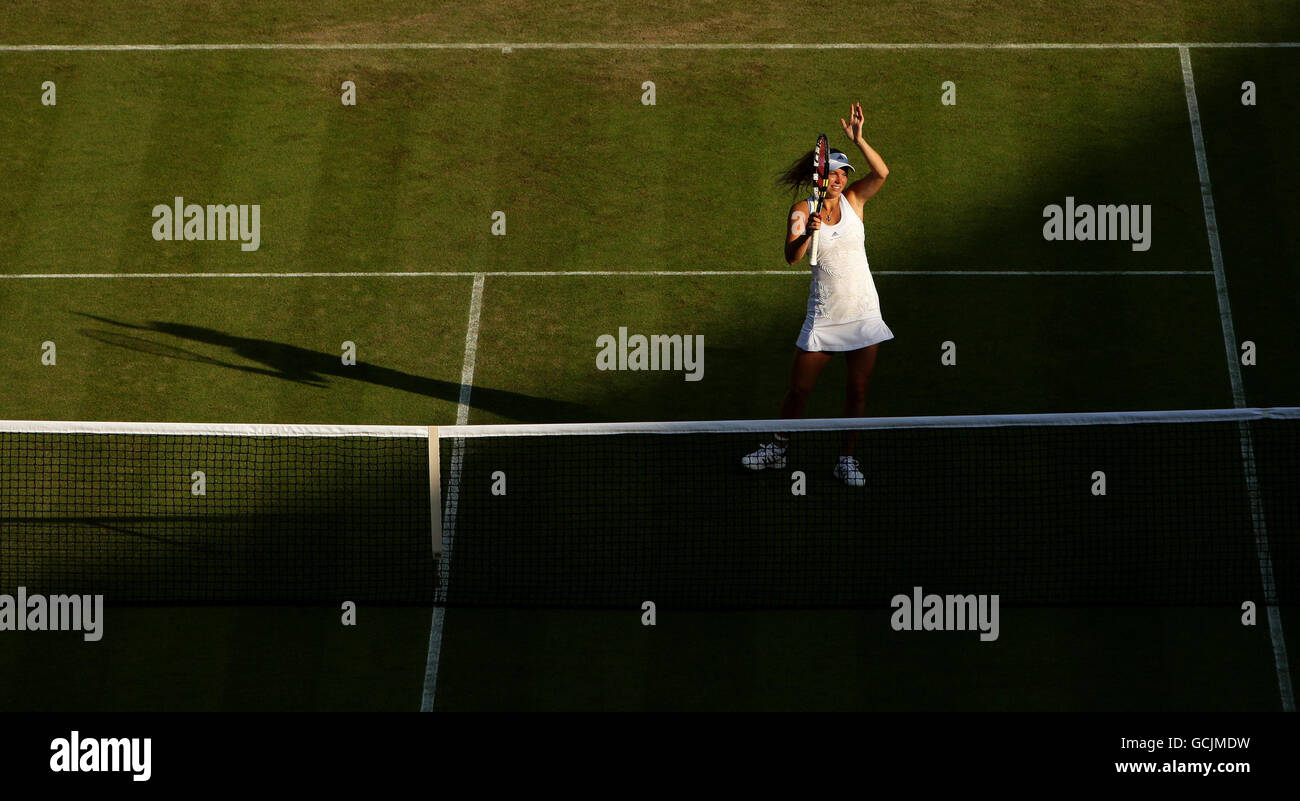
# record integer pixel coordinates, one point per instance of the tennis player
(843, 308)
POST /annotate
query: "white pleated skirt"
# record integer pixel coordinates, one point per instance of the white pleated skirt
(842, 336)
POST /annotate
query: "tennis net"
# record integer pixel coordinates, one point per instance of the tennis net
(1199, 508)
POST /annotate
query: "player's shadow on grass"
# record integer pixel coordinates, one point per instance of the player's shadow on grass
(303, 366)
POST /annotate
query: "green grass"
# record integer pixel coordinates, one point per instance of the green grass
(271, 659)
(371, 189)
(82, 21)
(236, 350)
(1255, 168)
(1024, 344)
(592, 180)
(207, 659)
(1086, 660)
(408, 179)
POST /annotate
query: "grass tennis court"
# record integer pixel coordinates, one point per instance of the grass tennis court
(674, 207)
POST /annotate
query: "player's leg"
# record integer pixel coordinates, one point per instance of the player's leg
(807, 367)
(861, 363)
(805, 371)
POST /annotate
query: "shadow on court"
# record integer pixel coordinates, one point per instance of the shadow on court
(313, 368)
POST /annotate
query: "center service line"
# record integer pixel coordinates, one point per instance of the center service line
(452, 498)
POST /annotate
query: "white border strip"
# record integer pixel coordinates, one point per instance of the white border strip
(510, 46)
(1258, 520)
(567, 273)
(875, 423)
(672, 427)
(210, 429)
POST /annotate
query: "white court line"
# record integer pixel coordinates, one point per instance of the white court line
(964, 421)
(510, 46)
(1150, 417)
(1212, 230)
(574, 273)
(471, 350)
(452, 497)
(432, 659)
(1238, 393)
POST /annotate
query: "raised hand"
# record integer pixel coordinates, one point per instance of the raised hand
(853, 128)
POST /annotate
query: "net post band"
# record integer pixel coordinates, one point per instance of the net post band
(435, 492)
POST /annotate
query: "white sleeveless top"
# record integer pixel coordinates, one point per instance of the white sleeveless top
(842, 290)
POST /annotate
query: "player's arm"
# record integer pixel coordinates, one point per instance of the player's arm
(869, 184)
(798, 231)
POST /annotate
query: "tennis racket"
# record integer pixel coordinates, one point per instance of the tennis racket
(821, 176)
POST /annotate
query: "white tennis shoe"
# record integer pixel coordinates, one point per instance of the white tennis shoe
(847, 470)
(767, 456)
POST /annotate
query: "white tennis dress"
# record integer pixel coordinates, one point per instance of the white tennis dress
(843, 307)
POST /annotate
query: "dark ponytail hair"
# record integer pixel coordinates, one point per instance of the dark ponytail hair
(798, 175)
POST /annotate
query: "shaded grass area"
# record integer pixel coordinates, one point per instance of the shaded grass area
(289, 659)
(1044, 660)
(215, 351)
(302, 659)
(1255, 169)
(237, 351)
(1023, 344)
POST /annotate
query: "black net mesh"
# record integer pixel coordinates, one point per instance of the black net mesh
(614, 520)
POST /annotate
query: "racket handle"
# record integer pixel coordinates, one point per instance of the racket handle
(812, 257)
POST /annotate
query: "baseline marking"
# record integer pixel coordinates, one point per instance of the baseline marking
(568, 273)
